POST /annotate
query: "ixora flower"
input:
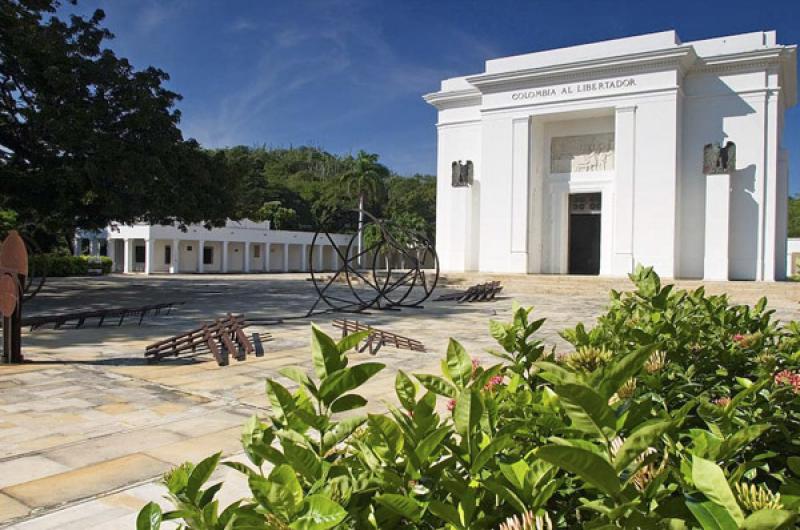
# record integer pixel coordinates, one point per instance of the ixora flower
(647, 472)
(785, 377)
(626, 391)
(493, 382)
(745, 341)
(656, 362)
(451, 405)
(587, 358)
(722, 402)
(528, 521)
(754, 498)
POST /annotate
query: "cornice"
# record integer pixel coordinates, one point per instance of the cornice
(680, 57)
(454, 98)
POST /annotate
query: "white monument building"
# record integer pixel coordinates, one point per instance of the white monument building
(594, 158)
(239, 246)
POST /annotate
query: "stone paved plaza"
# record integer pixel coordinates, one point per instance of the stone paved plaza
(87, 427)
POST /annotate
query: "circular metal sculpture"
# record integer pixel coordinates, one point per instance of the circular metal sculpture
(395, 267)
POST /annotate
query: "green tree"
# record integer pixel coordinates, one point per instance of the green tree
(794, 216)
(86, 139)
(364, 180)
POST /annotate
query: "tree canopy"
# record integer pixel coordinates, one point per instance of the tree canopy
(85, 138)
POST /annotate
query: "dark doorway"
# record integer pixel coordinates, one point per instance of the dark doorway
(584, 233)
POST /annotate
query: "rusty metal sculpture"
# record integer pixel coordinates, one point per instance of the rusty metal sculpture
(223, 338)
(377, 337)
(379, 285)
(482, 292)
(77, 320)
(13, 275)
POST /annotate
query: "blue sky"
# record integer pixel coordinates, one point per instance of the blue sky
(349, 74)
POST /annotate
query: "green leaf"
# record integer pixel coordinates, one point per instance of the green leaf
(281, 400)
(459, 363)
(402, 505)
(711, 516)
(430, 443)
(437, 385)
(319, 513)
(587, 465)
(149, 517)
(555, 373)
(303, 460)
(609, 378)
(494, 447)
(732, 444)
(278, 493)
(297, 375)
(200, 474)
(351, 341)
(638, 441)
(325, 353)
(446, 512)
(347, 379)
(406, 390)
(588, 411)
(348, 402)
(709, 478)
(794, 464)
(769, 520)
(467, 412)
(342, 430)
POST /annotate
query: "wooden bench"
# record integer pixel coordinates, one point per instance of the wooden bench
(377, 337)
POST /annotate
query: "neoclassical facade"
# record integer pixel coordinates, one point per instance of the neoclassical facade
(593, 158)
(239, 246)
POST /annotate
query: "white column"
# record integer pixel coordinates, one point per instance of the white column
(624, 145)
(77, 244)
(176, 256)
(286, 257)
(126, 266)
(246, 256)
(266, 257)
(717, 229)
(111, 254)
(224, 256)
(321, 258)
(200, 245)
(304, 259)
(149, 245)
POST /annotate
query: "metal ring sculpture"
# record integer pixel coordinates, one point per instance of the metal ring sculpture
(377, 285)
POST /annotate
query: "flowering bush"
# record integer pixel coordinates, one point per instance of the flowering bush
(676, 410)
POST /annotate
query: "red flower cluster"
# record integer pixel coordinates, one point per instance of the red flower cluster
(451, 405)
(493, 382)
(739, 338)
(786, 377)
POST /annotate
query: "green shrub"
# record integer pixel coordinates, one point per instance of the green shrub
(58, 265)
(676, 410)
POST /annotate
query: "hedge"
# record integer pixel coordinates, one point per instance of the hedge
(58, 265)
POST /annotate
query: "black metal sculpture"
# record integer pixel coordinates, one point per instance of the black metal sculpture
(377, 285)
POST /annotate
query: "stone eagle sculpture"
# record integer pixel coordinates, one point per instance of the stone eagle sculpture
(462, 173)
(718, 159)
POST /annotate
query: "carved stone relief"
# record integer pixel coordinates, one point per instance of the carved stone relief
(588, 152)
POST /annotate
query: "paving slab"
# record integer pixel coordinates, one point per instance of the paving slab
(88, 419)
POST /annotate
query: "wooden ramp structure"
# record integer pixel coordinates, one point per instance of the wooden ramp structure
(78, 319)
(377, 337)
(224, 337)
(482, 292)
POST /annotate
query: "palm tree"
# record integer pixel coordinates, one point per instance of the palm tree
(365, 179)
